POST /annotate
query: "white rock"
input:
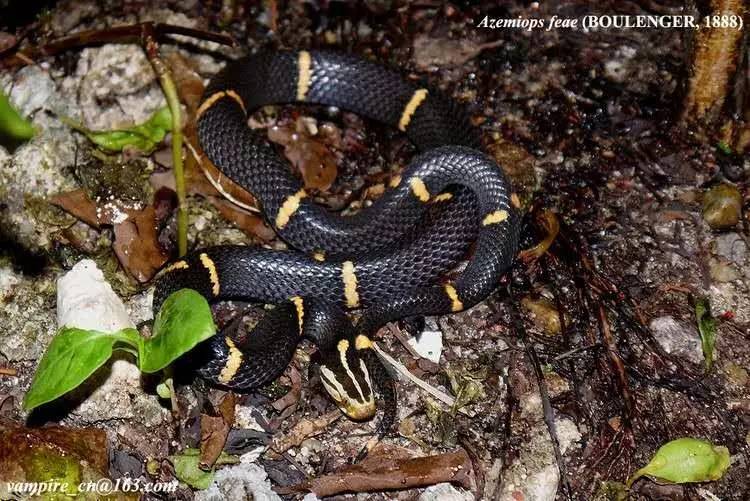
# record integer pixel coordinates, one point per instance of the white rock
(85, 300)
(445, 492)
(429, 346)
(678, 338)
(243, 481)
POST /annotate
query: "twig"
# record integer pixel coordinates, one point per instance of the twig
(405, 343)
(8, 371)
(267, 428)
(302, 430)
(381, 473)
(173, 101)
(401, 369)
(548, 411)
(619, 367)
(117, 34)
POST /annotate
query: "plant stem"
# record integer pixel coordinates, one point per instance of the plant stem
(173, 101)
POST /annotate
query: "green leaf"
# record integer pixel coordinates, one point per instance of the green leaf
(724, 147)
(466, 386)
(162, 389)
(686, 460)
(72, 356)
(11, 123)
(611, 491)
(186, 467)
(183, 321)
(707, 330)
(144, 137)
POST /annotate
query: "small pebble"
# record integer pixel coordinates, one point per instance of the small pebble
(722, 205)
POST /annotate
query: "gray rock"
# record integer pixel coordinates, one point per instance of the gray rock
(678, 338)
(116, 86)
(26, 315)
(36, 169)
(32, 90)
(534, 475)
(86, 300)
(731, 247)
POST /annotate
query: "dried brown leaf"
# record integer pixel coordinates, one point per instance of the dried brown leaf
(137, 246)
(250, 223)
(78, 204)
(215, 428)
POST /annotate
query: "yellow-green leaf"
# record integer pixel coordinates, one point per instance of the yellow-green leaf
(187, 469)
(12, 124)
(707, 330)
(144, 137)
(685, 460)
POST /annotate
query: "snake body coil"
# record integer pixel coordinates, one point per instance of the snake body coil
(386, 260)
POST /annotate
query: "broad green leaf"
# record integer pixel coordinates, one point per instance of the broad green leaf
(183, 321)
(707, 330)
(187, 470)
(72, 356)
(12, 124)
(145, 137)
(686, 460)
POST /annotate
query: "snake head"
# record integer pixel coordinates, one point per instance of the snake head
(347, 380)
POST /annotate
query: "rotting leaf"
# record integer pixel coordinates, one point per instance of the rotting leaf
(187, 469)
(144, 137)
(466, 386)
(78, 204)
(53, 454)
(250, 223)
(137, 245)
(215, 428)
(685, 460)
(611, 491)
(407, 429)
(308, 152)
(444, 423)
(544, 314)
(707, 330)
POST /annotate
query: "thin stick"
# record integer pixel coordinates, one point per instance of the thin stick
(401, 369)
(548, 411)
(173, 101)
(116, 34)
(8, 371)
